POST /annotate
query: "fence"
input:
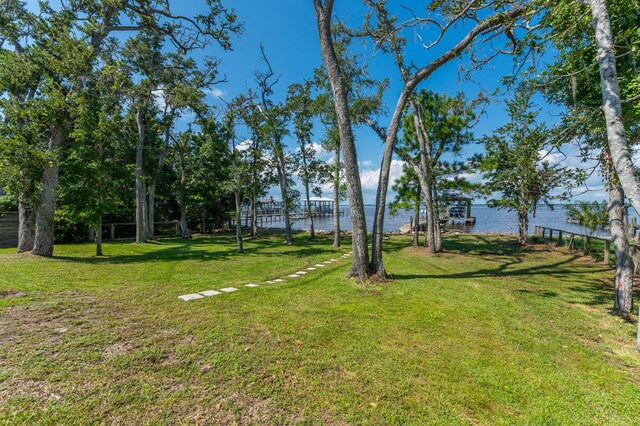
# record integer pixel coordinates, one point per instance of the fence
(542, 231)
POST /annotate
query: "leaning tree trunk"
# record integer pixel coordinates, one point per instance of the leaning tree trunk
(623, 281)
(254, 211)
(336, 201)
(26, 225)
(141, 199)
(239, 221)
(360, 259)
(45, 213)
(611, 103)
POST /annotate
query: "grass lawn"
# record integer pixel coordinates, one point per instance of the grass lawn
(485, 333)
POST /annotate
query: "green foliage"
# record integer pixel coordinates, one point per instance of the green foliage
(513, 166)
(590, 214)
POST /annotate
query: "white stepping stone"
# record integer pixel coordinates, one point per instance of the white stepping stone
(279, 280)
(251, 285)
(228, 289)
(271, 282)
(193, 296)
(328, 262)
(334, 260)
(301, 273)
(320, 265)
(293, 276)
(311, 269)
(210, 293)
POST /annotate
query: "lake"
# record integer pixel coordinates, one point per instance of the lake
(487, 220)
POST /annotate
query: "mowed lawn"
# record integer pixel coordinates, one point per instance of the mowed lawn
(485, 333)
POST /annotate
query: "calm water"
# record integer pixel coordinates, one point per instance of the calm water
(487, 220)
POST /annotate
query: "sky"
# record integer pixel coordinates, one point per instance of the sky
(287, 29)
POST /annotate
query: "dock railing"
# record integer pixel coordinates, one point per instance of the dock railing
(567, 238)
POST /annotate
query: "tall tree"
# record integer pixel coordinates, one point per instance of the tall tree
(513, 166)
(67, 43)
(438, 125)
(492, 18)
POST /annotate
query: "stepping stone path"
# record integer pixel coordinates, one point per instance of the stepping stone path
(208, 293)
(188, 297)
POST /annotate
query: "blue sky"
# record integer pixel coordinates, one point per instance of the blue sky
(287, 29)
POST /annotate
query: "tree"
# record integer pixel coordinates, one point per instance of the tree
(301, 106)
(66, 43)
(438, 125)
(409, 195)
(513, 167)
(573, 80)
(492, 18)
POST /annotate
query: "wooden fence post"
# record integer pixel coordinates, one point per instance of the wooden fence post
(559, 238)
(536, 231)
(113, 231)
(543, 232)
(607, 251)
(571, 242)
(551, 235)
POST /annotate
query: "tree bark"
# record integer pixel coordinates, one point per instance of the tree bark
(336, 201)
(360, 259)
(611, 103)
(303, 150)
(284, 190)
(150, 211)
(416, 224)
(26, 225)
(141, 199)
(623, 281)
(45, 213)
(523, 227)
(238, 198)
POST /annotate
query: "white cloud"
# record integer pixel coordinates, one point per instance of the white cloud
(369, 177)
(367, 164)
(215, 92)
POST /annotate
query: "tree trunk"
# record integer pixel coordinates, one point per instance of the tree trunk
(416, 224)
(523, 227)
(239, 221)
(141, 199)
(98, 232)
(284, 190)
(360, 259)
(611, 103)
(336, 201)
(45, 213)
(254, 214)
(623, 281)
(303, 150)
(150, 222)
(437, 227)
(26, 225)
(184, 224)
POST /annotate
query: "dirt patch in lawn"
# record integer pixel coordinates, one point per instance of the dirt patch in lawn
(11, 294)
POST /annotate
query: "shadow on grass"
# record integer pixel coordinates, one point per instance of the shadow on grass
(207, 248)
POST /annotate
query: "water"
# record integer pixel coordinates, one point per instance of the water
(487, 220)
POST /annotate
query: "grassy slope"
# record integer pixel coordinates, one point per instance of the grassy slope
(484, 334)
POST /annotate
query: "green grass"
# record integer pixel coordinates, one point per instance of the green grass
(483, 334)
